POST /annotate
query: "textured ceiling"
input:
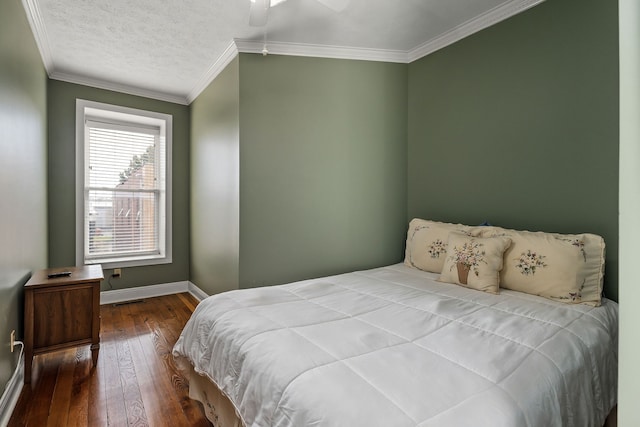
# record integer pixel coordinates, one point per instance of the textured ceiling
(170, 49)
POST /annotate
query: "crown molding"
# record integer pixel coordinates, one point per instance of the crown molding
(212, 72)
(39, 32)
(322, 51)
(117, 87)
(480, 22)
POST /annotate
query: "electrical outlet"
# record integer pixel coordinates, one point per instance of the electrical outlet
(13, 339)
(117, 272)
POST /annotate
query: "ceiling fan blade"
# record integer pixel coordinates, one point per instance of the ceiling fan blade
(259, 12)
(335, 5)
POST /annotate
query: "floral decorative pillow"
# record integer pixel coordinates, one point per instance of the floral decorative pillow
(562, 267)
(427, 243)
(474, 262)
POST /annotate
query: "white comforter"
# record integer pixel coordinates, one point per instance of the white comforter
(393, 347)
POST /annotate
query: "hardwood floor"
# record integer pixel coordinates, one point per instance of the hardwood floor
(135, 382)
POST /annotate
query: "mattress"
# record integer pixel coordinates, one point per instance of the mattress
(392, 346)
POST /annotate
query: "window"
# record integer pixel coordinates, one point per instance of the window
(123, 198)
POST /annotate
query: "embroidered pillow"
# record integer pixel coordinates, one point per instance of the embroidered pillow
(427, 243)
(474, 262)
(563, 267)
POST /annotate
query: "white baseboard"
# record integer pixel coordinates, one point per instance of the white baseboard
(11, 394)
(197, 293)
(141, 292)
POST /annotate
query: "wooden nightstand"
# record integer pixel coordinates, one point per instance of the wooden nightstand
(61, 312)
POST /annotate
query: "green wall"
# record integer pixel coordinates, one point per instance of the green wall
(518, 125)
(215, 175)
(23, 168)
(62, 181)
(322, 166)
(298, 170)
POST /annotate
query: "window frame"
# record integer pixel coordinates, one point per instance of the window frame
(135, 118)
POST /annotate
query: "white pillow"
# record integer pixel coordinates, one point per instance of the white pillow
(563, 267)
(427, 242)
(474, 262)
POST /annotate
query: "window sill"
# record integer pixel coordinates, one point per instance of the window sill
(130, 261)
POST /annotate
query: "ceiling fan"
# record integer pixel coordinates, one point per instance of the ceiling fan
(259, 11)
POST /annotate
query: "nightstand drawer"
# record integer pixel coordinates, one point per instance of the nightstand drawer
(62, 315)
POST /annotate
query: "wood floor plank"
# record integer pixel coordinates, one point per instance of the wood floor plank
(38, 409)
(163, 351)
(189, 301)
(162, 357)
(134, 405)
(166, 334)
(61, 400)
(97, 406)
(146, 327)
(156, 412)
(166, 385)
(182, 310)
(116, 411)
(79, 407)
(113, 399)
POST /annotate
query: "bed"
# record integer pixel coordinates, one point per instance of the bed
(396, 346)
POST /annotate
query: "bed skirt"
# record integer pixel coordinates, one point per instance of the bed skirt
(217, 407)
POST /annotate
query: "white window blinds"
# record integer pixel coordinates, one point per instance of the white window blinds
(124, 191)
